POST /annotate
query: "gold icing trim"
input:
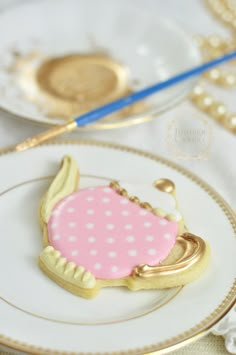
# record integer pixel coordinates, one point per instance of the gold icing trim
(157, 211)
(194, 249)
(68, 271)
(165, 185)
(184, 338)
(65, 182)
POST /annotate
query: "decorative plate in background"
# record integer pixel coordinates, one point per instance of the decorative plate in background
(39, 317)
(61, 59)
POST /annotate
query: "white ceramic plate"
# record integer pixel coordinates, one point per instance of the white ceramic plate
(37, 316)
(151, 48)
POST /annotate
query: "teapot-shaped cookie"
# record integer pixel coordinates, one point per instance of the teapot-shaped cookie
(118, 234)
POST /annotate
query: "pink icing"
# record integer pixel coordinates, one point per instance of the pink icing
(107, 234)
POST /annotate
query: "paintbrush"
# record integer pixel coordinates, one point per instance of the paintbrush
(117, 105)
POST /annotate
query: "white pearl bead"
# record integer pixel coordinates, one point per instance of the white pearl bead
(197, 92)
(205, 102)
(214, 74)
(230, 80)
(230, 123)
(215, 41)
(218, 111)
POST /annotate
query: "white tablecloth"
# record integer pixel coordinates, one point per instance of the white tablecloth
(219, 170)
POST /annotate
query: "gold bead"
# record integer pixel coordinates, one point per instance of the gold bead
(215, 41)
(227, 17)
(146, 205)
(230, 44)
(229, 80)
(230, 122)
(218, 111)
(214, 74)
(205, 102)
(165, 185)
(196, 93)
(115, 185)
(123, 192)
(159, 212)
(217, 6)
(134, 199)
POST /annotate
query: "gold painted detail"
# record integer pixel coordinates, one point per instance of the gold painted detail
(164, 185)
(70, 85)
(47, 135)
(68, 271)
(157, 211)
(65, 182)
(194, 249)
(78, 77)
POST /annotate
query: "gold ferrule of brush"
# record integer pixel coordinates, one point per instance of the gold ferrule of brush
(47, 135)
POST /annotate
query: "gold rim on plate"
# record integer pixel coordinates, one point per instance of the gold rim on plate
(184, 338)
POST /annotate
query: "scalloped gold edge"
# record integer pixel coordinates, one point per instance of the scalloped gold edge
(115, 185)
(186, 337)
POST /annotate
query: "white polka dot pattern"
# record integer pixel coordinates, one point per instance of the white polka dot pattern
(130, 239)
(97, 266)
(163, 221)
(107, 234)
(110, 240)
(91, 239)
(90, 225)
(71, 224)
(114, 268)
(108, 213)
(74, 252)
(132, 252)
(70, 210)
(149, 238)
(72, 238)
(90, 211)
(55, 237)
(112, 254)
(105, 200)
(125, 213)
(93, 252)
(152, 251)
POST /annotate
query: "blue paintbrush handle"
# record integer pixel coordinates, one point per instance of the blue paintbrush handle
(117, 105)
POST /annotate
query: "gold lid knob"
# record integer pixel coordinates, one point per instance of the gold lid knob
(164, 185)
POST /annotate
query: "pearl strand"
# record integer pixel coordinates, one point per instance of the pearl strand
(212, 47)
(217, 110)
(225, 10)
